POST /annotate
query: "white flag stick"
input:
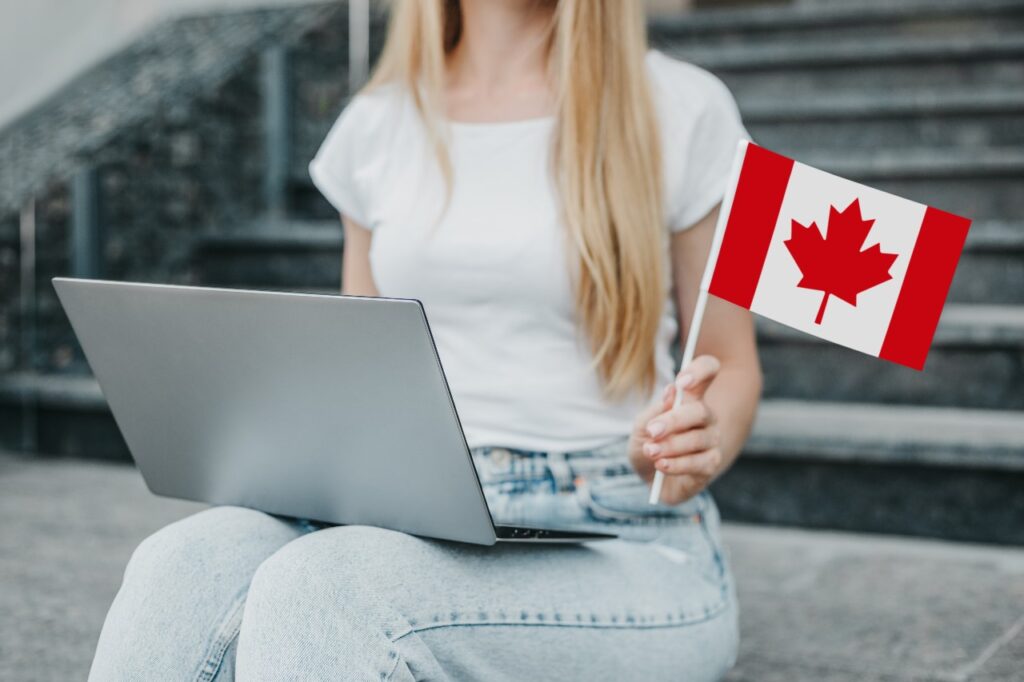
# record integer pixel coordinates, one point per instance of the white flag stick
(691, 344)
(702, 295)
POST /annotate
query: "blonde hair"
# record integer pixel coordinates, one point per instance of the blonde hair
(606, 162)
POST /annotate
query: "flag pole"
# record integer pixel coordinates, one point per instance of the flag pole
(702, 296)
(691, 345)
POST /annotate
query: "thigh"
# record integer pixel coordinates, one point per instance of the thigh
(698, 652)
(358, 600)
(177, 612)
(601, 611)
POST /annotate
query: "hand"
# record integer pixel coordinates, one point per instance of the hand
(682, 442)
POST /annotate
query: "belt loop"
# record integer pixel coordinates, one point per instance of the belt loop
(561, 471)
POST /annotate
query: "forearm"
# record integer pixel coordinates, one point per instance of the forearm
(733, 398)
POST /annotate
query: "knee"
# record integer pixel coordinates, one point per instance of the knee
(348, 565)
(324, 601)
(728, 639)
(180, 590)
(203, 543)
(342, 556)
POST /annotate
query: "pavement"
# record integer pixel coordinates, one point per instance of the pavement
(821, 606)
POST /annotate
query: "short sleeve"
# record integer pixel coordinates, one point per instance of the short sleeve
(704, 129)
(335, 168)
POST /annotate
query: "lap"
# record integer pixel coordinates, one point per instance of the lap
(435, 583)
(646, 606)
(653, 604)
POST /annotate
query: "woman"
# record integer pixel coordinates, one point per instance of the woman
(548, 188)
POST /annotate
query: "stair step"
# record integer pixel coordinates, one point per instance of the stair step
(910, 470)
(65, 391)
(817, 68)
(70, 416)
(981, 184)
(274, 235)
(278, 255)
(838, 21)
(964, 118)
(923, 164)
(891, 435)
(976, 360)
(880, 52)
(883, 104)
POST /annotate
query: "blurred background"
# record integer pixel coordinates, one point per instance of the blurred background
(167, 141)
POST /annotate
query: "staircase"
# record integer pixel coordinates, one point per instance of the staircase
(923, 99)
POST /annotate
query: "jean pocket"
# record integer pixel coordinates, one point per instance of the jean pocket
(622, 500)
(686, 533)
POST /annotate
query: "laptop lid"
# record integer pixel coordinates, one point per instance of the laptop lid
(327, 407)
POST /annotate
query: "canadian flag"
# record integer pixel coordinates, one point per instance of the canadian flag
(828, 256)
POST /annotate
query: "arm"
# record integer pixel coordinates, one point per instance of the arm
(701, 438)
(356, 276)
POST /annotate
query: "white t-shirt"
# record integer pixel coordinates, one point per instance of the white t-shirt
(493, 273)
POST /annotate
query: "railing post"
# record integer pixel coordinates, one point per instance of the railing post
(276, 129)
(27, 326)
(358, 44)
(86, 237)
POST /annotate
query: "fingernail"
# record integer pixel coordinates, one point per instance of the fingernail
(684, 380)
(656, 428)
(651, 449)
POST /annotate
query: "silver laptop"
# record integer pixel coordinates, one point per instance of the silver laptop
(321, 407)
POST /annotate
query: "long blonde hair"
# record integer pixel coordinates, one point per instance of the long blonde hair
(606, 161)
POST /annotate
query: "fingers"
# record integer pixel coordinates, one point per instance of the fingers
(663, 404)
(702, 465)
(685, 443)
(686, 416)
(695, 378)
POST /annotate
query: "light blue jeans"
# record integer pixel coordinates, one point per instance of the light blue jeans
(235, 593)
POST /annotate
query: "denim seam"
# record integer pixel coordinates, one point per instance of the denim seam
(227, 632)
(626, 623)
(388, 674)
(685, 622)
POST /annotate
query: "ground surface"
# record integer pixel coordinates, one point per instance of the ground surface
(815, 606)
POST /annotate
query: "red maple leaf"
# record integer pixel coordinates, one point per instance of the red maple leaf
(835, 264)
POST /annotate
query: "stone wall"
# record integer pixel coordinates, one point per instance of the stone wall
(194, 167)
(172, 128)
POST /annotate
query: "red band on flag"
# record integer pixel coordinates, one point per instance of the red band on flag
(925, 286)
(755, 210)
